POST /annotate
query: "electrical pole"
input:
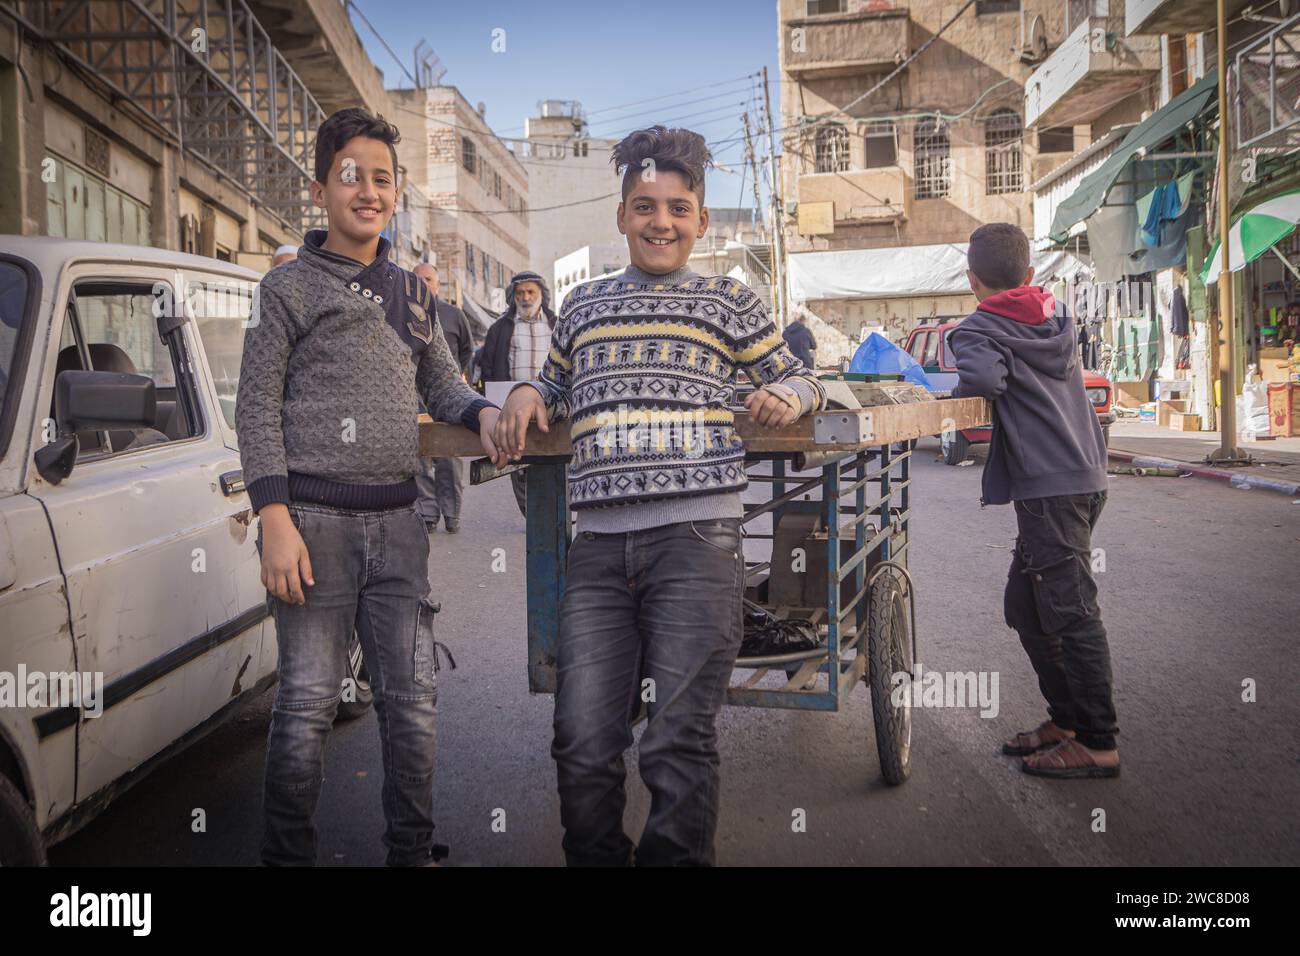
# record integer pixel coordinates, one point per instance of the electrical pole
(1228, 452)
(751, 157)
(778, 213)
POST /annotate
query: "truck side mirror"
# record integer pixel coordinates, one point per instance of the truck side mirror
(93, 401)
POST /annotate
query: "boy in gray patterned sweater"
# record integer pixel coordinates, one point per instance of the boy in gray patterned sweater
(342, 348)
(644, 365)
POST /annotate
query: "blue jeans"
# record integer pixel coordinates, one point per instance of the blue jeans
(371, 572)
(650, 616)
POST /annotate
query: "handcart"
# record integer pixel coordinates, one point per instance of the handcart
(826, 531)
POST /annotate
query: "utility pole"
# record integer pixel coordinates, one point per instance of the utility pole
(1228, 452)
(751, 157)
(778, 212)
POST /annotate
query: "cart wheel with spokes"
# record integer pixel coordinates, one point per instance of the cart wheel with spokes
(890, 653)
(358, 697)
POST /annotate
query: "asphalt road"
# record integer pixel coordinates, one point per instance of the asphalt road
(1199, 594)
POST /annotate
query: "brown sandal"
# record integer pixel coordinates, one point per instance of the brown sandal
(1068, 760)
(1046, 734)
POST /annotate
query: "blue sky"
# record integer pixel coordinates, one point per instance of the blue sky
(688, 59)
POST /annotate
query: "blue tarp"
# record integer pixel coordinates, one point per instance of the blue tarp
(879, 356)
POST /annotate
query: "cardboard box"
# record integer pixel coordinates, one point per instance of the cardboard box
(1147, 413)
(1170, 389)
(1167, 408)
(1132, 394)
(1275, 369)
(1284, 410)
(1183, 422)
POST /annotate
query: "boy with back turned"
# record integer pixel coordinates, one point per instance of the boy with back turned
(1048, 456)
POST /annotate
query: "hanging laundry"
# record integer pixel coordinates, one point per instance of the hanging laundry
(1178, 318)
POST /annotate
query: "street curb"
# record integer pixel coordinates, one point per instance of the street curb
(1237, 479)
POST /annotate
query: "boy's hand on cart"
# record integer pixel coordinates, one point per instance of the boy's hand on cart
(523, 406)
(285, 564)
(771, 407)
(487, 423)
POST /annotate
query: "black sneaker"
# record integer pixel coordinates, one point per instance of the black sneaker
(453, 525)
(430, 526)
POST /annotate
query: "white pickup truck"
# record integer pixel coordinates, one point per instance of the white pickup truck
(132, 616)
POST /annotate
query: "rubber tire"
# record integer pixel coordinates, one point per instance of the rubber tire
(957, 451)
(890, 651)
(365, 696)
(21, 843)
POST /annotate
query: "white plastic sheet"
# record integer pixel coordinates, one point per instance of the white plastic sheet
(902, 271)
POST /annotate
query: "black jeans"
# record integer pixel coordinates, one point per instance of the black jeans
(651, 616)
(1051, 602)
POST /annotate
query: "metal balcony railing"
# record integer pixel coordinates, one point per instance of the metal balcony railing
(1267, 75)
(207, 72)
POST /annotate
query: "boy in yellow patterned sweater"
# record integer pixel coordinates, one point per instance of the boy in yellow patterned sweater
(644, 366)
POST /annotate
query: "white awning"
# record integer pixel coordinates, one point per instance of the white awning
(902, 271)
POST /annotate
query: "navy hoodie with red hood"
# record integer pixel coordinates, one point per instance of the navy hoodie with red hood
(1019, 349)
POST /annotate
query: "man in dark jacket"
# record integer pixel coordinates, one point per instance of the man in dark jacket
(442, 482)
(1047, 454)
(515, 347)
(799, 337)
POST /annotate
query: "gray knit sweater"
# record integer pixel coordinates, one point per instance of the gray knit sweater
(337, 357)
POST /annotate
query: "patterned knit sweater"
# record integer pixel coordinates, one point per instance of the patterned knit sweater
(644, 367)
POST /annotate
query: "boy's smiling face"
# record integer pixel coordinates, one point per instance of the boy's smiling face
(361, 192)
(662, 218)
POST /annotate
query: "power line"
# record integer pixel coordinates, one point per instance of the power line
(693, 89)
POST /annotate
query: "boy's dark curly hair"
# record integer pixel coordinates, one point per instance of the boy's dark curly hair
(682, 151)
(348, 124)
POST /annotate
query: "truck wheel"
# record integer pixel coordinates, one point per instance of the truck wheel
(890, 650)
(955, 447)
(20, 839)
(360, 692)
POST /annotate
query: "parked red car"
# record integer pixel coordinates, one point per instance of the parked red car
(928, 344)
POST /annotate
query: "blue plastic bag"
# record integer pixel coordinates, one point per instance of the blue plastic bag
(879, 356)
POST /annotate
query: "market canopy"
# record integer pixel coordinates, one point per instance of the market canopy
(1254, 233)
(900, 270)
(1148, 134)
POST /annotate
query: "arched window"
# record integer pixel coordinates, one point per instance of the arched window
(1003, 165)
(932, 165)
(468, 154)
(832, 149)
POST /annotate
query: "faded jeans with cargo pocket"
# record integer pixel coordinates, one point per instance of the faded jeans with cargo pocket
(1051, 602)
(649, 616)
(371, 573)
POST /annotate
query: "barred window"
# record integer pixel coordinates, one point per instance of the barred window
(832, 149)
(468, 154)
(469, 258)
(816, 7)
(1003, 138)
(932, 173)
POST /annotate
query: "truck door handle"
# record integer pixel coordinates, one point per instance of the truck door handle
(232, 482)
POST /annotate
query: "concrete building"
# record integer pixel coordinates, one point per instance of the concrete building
(585, 263)
(477, 190)
(572, 186)
(199, 141)
(922, 158)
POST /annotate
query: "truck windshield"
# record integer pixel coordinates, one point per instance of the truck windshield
(13, 310)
